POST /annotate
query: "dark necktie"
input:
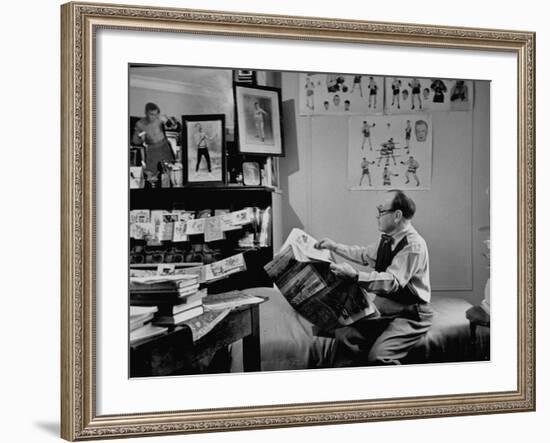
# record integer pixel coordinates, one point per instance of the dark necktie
(383, 255)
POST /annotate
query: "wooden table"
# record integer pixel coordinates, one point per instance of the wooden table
(176, 353)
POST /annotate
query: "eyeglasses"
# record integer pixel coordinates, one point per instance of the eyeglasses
(382, 211)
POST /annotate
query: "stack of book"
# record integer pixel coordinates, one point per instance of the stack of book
(140, 315)
(177, 297)
(141, 327)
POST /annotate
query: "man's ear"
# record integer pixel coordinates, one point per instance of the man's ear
(399, 212)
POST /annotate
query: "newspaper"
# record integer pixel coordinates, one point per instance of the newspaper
(159, 225)
(231, 299)
(224, 268)
(213, 229)
(303, 247)
(204, 273)
(302, 274)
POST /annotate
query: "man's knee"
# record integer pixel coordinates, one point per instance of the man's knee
(380, 355)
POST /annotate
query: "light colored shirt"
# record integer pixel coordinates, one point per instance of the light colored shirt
(409, 268)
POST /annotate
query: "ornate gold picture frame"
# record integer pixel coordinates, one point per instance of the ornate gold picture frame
(80, 23)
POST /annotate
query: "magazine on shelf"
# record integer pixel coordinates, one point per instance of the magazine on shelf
(169, 276)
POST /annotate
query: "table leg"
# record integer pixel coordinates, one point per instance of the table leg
(251, 344)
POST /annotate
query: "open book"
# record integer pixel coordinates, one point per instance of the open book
(302, 274)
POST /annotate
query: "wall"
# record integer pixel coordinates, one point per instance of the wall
(449, 216)
(170, 103)
(185, 91)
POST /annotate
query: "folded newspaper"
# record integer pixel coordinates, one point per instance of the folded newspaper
(205, 273)
(302, 273)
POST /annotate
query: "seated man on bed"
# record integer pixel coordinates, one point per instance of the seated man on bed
(400, 282)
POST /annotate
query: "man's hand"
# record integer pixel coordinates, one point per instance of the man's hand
(349, 337)
(343, 270)
(326, 243)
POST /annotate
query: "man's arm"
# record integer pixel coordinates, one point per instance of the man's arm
(358, 254)
(405, 264)
(137, 140)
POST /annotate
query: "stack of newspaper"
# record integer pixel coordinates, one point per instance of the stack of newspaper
(302, 274)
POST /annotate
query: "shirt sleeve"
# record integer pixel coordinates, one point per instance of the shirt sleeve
(363, 255)
(404, 266)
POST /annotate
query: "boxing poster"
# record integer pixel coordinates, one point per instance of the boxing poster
(406, 95)
(341, 94)
(390, 152)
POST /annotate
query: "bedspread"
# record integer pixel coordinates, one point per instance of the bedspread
(288, 342)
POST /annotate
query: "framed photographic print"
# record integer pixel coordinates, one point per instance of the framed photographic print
(204, 149)
(251, 174)
(259, 120)
(305, 308)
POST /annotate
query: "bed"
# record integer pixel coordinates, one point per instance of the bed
(288, 342)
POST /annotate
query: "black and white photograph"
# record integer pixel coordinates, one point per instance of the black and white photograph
(406, 95)
(390, 152)
(341, 94)
(270, 219)
(204, 148)
(258, 280)
(259, 120)
(251, 174)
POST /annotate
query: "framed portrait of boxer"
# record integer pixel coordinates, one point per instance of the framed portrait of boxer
(204, 149)
(259, 121)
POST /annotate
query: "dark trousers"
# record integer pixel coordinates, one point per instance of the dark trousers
(200, 153)
(388, 337)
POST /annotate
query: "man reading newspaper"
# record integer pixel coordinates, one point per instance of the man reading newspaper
(398, 277)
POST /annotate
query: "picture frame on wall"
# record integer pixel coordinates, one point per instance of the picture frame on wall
(98, 399)
(259, 123)
(204, 159)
